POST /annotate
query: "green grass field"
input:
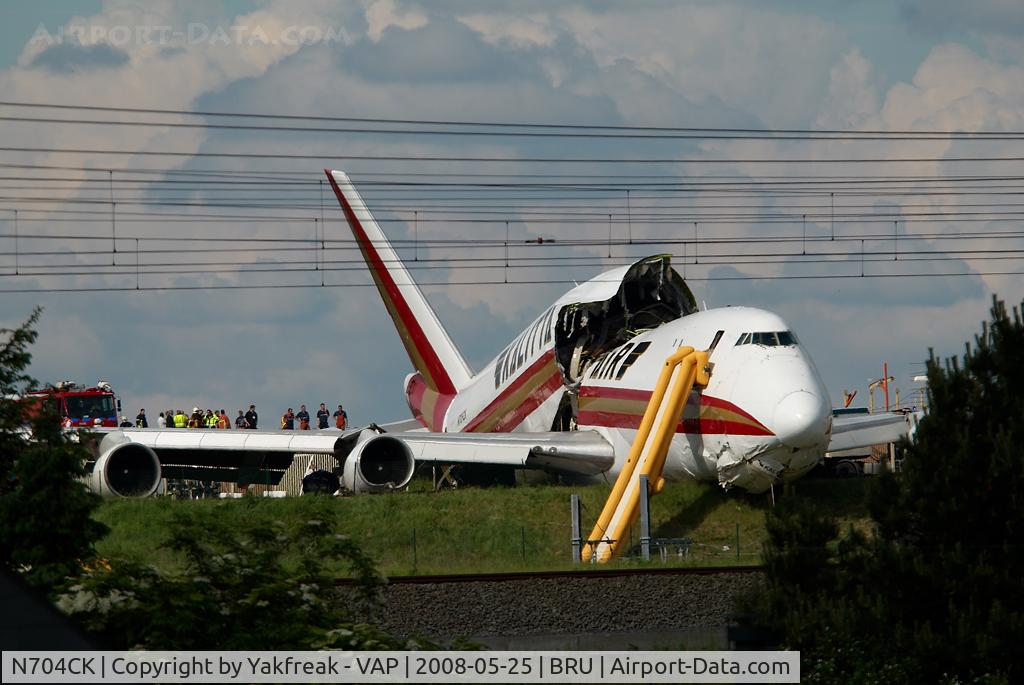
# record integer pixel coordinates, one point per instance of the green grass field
(489, 530)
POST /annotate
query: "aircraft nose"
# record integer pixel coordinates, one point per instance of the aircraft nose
(801, 419)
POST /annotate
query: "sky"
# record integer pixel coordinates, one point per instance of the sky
(280, 339)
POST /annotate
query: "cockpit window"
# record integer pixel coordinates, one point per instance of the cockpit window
(786, 338)
(768, 339)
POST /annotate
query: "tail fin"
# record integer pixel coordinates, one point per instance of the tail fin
(431, 350)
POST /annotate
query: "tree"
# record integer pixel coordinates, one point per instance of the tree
(241, 587)
(46, 529)
(14, 360)
(933, 592)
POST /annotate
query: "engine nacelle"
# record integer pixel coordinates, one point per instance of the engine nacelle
(126, 469)
(380, 464)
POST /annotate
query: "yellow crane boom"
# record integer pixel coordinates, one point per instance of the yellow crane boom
(683, 369)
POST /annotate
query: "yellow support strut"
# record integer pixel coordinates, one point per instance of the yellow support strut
(683, 369)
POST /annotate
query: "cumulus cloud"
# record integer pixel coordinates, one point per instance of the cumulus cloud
(439, 53)
(383, 14)
(516, 29)
(79, 58)
(985, 16)
(739, 54)
(956, 89)
(996, 24)
(852, 98)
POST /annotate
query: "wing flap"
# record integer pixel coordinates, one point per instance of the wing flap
(849, 432)
(162, 440)
(578, 452)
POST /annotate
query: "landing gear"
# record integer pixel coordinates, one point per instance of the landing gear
(847, 469)
(565, 417)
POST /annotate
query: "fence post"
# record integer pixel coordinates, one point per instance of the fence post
(414, 560)
(522, 532)
(737, 541)
(645, 519)
(577, 538)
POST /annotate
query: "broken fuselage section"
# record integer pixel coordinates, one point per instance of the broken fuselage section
(534, 383)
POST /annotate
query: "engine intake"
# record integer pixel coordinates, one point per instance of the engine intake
(379, 464)
(127, 469)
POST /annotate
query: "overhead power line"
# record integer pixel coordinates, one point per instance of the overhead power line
(669, 130)
(877, 254)
(697, 134)
(761, 217)
(523, 282)
(846, 223)
(314, 176)
(338, 156)
(240, 243)
(536, 184)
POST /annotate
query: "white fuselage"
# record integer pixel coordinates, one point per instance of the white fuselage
(764, 415)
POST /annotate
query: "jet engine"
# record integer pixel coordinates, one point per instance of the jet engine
(126, 469)
(380, 464)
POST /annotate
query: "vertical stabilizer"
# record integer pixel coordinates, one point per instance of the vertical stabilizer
(427, 343)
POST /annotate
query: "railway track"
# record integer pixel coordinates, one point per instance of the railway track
(581, 574)
(575, 602)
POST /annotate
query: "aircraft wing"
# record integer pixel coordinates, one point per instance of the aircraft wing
(577, 452)
(239, 456)
(375, 460)
(864, 430)
(131, 461)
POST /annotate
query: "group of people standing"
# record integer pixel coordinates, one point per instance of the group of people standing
(200, 419)
(248, 420)
(323, 417)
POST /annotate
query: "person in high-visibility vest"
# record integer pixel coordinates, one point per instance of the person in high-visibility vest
(210, 420)
(180, 420)
(341, 418)
(223, 421)
(303, 417)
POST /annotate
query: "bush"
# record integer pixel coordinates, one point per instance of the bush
(245, 587)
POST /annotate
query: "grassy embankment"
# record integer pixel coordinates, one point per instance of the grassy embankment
(488, 530)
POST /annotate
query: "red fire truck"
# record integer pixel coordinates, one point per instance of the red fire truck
(81, 407)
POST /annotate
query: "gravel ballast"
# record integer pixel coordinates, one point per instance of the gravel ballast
(568, 605)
